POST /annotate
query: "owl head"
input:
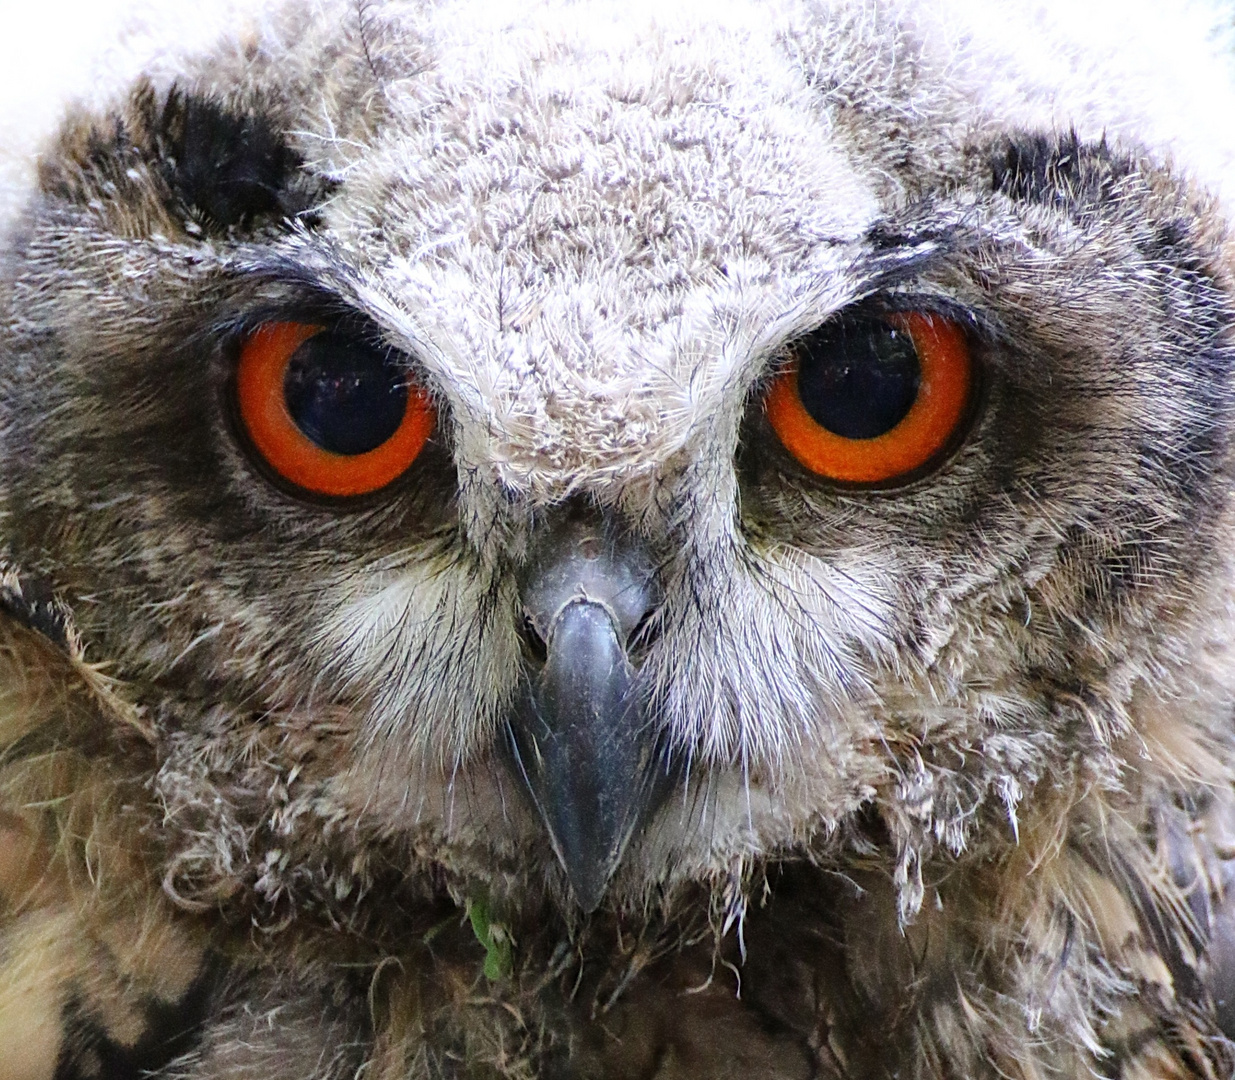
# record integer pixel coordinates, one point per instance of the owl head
(587, 449)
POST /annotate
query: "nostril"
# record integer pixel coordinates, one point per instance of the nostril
(534, 646)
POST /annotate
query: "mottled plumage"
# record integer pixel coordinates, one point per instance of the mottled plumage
(929, 777)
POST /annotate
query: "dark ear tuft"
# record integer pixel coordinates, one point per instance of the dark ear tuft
(186, 158)
(1057, 170)
(230, 167)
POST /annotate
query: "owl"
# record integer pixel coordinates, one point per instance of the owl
(599, 541)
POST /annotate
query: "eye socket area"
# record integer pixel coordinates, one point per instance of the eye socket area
(329, 412)
(872, 400)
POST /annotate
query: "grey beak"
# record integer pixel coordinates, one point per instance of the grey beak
(579, 735)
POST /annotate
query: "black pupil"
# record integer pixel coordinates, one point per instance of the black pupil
(858, 379)
(348, 397)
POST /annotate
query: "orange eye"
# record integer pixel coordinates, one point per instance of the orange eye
(333, 414)
(870, 400)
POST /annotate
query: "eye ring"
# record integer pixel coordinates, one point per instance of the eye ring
(944, 392)
(261, 373)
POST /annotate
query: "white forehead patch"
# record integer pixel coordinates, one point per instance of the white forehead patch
(585, 222)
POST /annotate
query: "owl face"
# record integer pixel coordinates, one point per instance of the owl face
(787, 451)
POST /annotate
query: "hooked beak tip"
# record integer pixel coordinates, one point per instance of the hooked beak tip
(580, 739)
(580, 744)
